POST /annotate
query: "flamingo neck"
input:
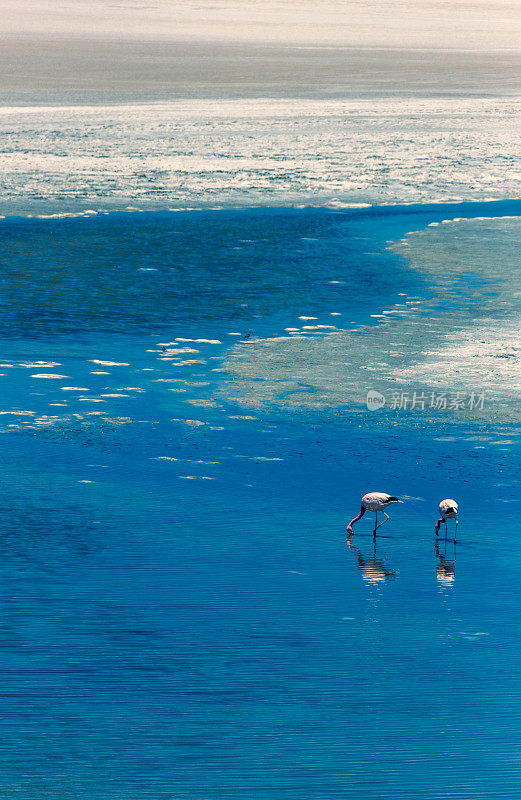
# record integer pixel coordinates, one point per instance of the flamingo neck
(438, 523)
(360, 515)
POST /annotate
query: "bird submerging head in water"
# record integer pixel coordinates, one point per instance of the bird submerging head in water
(448, 510)
(374, 501)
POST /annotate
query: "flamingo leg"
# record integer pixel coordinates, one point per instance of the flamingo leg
(387, 518)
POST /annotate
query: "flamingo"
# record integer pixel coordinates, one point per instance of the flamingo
(448, 510)
(374, 501)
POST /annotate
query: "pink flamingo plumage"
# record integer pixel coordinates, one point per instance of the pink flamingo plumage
(448, 510)
(374, 501)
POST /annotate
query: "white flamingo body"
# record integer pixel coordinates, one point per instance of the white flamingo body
(374, 501)
(377, 501)
(448, 510)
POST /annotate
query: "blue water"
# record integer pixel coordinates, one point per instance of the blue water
(199, 628)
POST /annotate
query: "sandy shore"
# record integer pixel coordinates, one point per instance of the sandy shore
(68, 70)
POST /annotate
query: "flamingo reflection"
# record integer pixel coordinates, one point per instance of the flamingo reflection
(445, 570)
(372, 569)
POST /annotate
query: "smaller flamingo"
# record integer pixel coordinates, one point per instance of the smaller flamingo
(448, 510)
(374, 501)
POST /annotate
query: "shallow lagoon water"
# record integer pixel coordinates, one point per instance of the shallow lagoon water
(181, 613)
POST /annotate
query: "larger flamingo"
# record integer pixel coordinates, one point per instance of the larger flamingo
(374, 501)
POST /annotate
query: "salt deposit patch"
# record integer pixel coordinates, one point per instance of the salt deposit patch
(109, 363)
(200, 341)
(192, 423)
(40, 364)
(337, 152)
(18, 413)
(203, 403)
(196, 478)
(50, 376)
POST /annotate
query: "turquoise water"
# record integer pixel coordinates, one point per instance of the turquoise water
(181, 613)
